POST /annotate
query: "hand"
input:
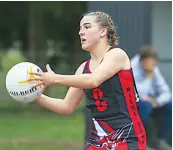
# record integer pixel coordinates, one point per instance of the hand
(43, 88)
(45, 78)
(152, 100)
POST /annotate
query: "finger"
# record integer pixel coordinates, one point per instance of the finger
(43, 89)
(35, 73)
(48, 68)
(38, 84)
(34, 79)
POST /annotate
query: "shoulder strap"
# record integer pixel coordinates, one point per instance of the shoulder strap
(86, 65)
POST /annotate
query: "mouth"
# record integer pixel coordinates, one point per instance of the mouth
(83, 40)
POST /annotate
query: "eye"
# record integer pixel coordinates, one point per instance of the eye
(87, 26)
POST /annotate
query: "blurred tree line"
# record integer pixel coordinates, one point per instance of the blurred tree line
(47, 31)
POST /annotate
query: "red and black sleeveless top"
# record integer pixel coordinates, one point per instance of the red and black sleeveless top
(113, 108)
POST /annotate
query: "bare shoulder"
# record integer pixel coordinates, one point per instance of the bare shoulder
(118, 56)
(81, 68)
(117, 53)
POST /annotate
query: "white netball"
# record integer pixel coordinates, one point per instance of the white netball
(17, 84)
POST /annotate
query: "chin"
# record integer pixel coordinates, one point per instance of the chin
(149, 70)
(85, 48)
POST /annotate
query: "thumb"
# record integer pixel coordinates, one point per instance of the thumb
(48, 68)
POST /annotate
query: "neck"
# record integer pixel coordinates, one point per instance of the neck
(98, 52)
(149, 74)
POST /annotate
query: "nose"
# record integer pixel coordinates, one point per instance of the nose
(81, 32)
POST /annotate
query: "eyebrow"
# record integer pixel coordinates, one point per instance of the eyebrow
(86, 23)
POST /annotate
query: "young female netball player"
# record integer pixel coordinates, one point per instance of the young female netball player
(108, 84)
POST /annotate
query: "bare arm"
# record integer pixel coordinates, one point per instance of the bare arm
(114, 61)
(67, 105)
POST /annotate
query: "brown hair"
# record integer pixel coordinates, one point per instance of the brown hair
(148, 51)
(105, 20)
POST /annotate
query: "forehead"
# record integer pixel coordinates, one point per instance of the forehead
(88, 19)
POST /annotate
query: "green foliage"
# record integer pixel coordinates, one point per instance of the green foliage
(35, 22)
(10, 58)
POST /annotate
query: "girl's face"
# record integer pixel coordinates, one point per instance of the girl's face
(90, 32)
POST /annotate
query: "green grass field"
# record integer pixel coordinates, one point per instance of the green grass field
(41, 131)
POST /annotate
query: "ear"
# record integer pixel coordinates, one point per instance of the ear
(103, 32)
